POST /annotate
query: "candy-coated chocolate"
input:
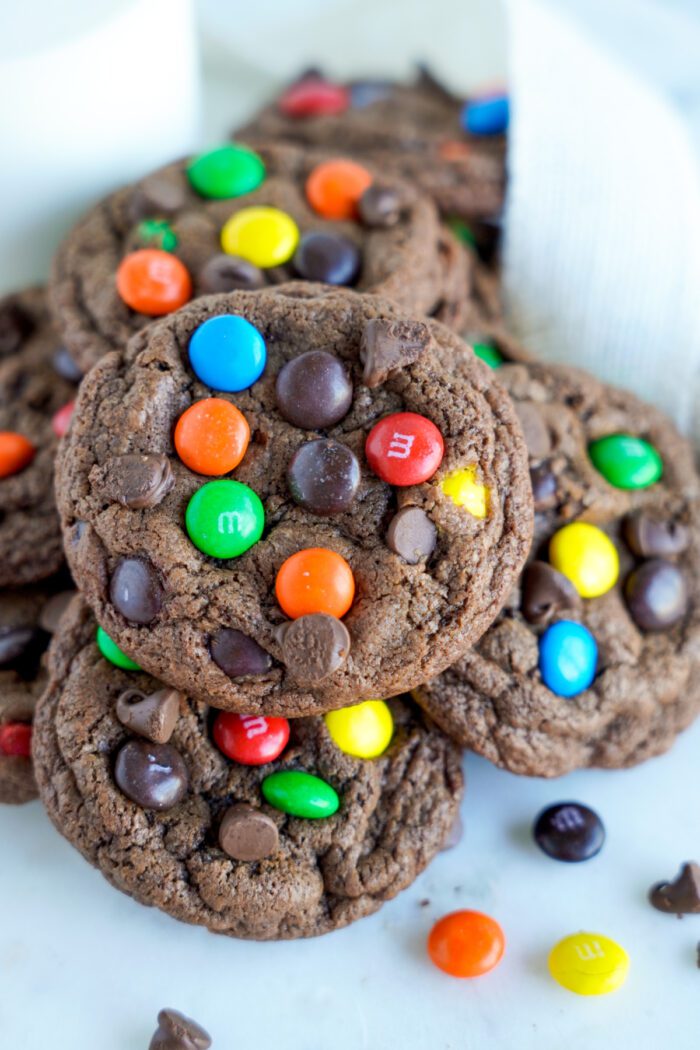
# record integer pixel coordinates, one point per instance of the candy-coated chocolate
(626, 461)
(111, 651)
(404, 449)
(315, 580)
(323, 476)
(16, 453)
(490, 355)
(488, 115)
(300, 794)
(156, 233)
(251, 740)
(211, 436)
(465, 491)
(567, 658)
(587, 557)
(227, 171)
(657, 595)
(60, 420)
(16, 739)
(588, 964)
(262, 235)
(314, 97)
(329, 258)
(364, 731)
(224, 518)
(466, 944)
(569, 831)
(153, 282)
(65, 366)
(314, 390)
(227, 353)
(334, 188)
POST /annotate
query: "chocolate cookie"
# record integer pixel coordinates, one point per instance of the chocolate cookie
(418, 130)
(595, 660)
(303, 843)
(234, 219)
(37, 382)
(380, 512)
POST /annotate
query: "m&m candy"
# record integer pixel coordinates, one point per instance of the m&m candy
(263, 236)
(300, 794)
(364, 731)
(466, 944)
(329, 258)
(488, 115)
(569, 831)
(211, 436)
(568, 657)
(111, 651)
(334, 188)
(156, 233)
(16, 739)
(315, 580)
(227, 353)
(61, 419)
(490, 355)
(16, 453)
(626, 461)
(153, 282)
(224, 518)
(250, 739)
(588, 964)
(586, 556)
(404, 449)
(314, 97)
(465, 491)
(228, 171)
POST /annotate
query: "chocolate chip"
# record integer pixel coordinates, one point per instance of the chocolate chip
(53, 610)
(314, 647)
(153, 716)
(238, 655)
(135, 590)
(323, 476)
(227, 273)
(15, 642)
(138, 481)
(544, 487)
(15, 326)
(65, 366)
(454, 835)
(656, 595)
(327, 257)
(379, 206)
(680, 897)
(388, 345)
(156, 195)
(247, 834)
(546, 593)
(154, 776)
(535, 430)
(647, 537)
(177, 1032)
(314, 390)
(412, 535)
(569, 831)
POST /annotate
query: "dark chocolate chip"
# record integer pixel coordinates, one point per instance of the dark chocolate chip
(15, 643)
(569, 831)
(323, 476)
(156, 195)
(314, 390)
(656, 595)
(15, 326)
(544, 487)
(65, 366)
(138, 481)
(412, 535)
(227, 273)
(135, 590)
(154, 776)
(546, 593)
(647, 537)
(53, 610)
(177, 1032)
(535, 430)
(327, 257)
(680, 897)
(248, 834)
(388, 345)
(153, 716)
(238, 655)
(379, 206)
(314, 647)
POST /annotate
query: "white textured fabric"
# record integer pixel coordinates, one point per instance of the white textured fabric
(602, 256)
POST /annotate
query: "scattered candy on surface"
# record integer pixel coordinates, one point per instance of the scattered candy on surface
(111, 651)
(16, 453)
(657, 595)
(227, 353)
(211, 436)
(135, 590)
(465, 491)
(228, 171)
(327, 257)
(569, 831)
(314, 97)
(466, 944)
(626, 461)
(224, 518)
(153, 282)
(364, 731)
(323, 476)
(490, 355)
(314, 390)
(249, 739)
(262, 235)
(315, 580)
(60, 420)
(154, 776)
(16, 739)
(412, 535)
(156, 233)
(238, 655)
(588, 964)
(247, 834)
(300, 794)
(488, 115)
(568, 657)
(334, 188)
(65, 366)
(177, 1032)
(404, 449)
(587, 557)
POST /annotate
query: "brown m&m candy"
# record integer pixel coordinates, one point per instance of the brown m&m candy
(135, 590)
(238, 655)
(153, 776)
(15, 642)
(246, 834)
(327, 257)
(656, 595)
(153, 717)
(65, 366)
(314, 390)
(379, 206)
(323, 476)
(546, 593)
(177, 1032)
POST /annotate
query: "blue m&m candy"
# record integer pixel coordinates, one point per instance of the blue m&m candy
(228, 353)
(568, 656)
(486, 116)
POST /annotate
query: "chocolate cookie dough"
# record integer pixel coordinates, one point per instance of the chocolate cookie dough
(595, 659)
(274, 591)
(237, 219)
(296, 875)
(37, 380)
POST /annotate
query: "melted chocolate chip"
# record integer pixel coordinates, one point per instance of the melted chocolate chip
(323, 476)
(153, 717)
(135, 590)
(65, 366)
(680, 897)
(389, 345)
(327, 257)
(238, 655)
(177, 1032)
(154, 776)
(656, 595)
(314, 647)
(247, 834)
(379, 206)
(314, 390)
(226, 273)
(546, 593)
(411, 535)
(138, 481)
(544, 487)
(647, 537)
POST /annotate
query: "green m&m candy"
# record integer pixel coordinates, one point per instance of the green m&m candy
(626, 461)
(224, 518)
(488, 354)
(228, 171)
(111, 651)
(300, 794)
(157, 233)
(462, 231)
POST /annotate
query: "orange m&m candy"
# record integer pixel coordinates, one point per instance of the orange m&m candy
(153, 282)
(211, 436)
(334, 188)
(315, 580)
(16, 453)
(466, 943)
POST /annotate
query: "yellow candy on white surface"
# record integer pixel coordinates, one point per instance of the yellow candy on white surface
(587, 557)
(465, 491)
(364, 731)
(589, 964)
(264, 236)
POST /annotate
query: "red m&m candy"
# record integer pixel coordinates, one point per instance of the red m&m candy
(314, 97)
(61, 419)
(16, 739)
(250, 739)
(404, 449)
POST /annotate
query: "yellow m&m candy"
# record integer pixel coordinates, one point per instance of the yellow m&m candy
(263, 236)
(587, 557)
(465, 491)
(589, 964)
(364, 731)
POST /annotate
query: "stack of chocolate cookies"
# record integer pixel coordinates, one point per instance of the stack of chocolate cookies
(329, 522)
